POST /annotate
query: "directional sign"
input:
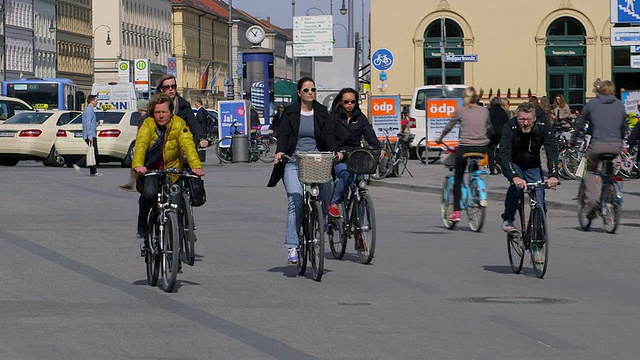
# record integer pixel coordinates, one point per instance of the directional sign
(312, 36)
(382, 59)
(635, 61)
(625, 36)
(310, 50)
(461, 58)
(624, 11)
(313, 22)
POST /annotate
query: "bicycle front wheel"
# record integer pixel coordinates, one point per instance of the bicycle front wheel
(151, 257)
(224, 152)
(189, 238)
(475, 211)
(170, 253)
(267, 148)
(337, 235)
(316, 241)
(570, 162)
(583, 219)
(515, 247)
(365, 231)
(611, 209)
(539, 245)
(384, 166)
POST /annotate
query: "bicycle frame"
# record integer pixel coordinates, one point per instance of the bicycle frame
(467, 195)
(351, 197)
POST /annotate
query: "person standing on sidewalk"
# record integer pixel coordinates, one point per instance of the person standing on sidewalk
(89, 131)
(475, 131)
(522, 138)
(498, 117)
(607, 121)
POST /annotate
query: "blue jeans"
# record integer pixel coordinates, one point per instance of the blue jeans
(345, 178)
(513, 194)
(293, 187)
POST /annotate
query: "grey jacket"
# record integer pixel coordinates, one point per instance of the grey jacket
(475, 126)
(606, 117)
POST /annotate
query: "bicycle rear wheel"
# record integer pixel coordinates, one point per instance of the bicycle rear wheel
(400, 162)
(365, 231)
(384, 166)
(515, 247)
(570, 162)
(151, 257)
(267, 148)
(421, 150)
(189, 238)
(316, 241)
(446, 207)
(224, 153)
(303, 245)
(539, 246)
(337, 234)
(475, 211)
(611, 209)
(170, 253)
(583, 219)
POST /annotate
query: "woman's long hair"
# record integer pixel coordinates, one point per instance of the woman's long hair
(337, 102)
(561, 103)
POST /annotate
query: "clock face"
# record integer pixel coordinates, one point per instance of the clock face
(255, 34)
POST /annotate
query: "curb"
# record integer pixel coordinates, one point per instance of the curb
(493, 195)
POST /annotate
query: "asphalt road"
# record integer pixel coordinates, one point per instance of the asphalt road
(74, 286)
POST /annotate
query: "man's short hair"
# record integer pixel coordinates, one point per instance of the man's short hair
(90, 98)
(525, 107)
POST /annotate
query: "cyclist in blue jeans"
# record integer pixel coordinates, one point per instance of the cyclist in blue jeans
(522, 138)
(350, 126)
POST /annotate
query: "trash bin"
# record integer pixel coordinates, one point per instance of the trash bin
(240, 148)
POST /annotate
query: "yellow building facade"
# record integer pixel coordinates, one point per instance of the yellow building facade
(545, 47)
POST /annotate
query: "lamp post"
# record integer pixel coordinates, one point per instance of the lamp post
(313, 8)
(230, 90)
(343, 11)
(44, 44)
(184, 50)
(93, 46)
(346, 32)
(293, 45)
(108, 41)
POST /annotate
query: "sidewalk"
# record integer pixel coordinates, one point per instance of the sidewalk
(429, 179)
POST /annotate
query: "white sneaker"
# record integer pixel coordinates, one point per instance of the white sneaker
(76, 168)
(96, 174)
(507, 226)
(538, 255)
(292, 257)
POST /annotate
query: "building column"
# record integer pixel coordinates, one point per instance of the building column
(607, 66)
(468, 67)
(418, 65)
(540, 88)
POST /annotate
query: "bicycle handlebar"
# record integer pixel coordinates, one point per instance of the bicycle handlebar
(538, 184)
(171, 171)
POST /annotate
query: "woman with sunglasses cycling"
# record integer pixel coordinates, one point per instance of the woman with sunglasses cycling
(306, 127)
(350, 126)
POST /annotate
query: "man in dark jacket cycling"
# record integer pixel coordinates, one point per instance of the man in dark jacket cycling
(522, 138)
(350, 126)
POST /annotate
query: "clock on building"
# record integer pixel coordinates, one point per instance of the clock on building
(255, 34)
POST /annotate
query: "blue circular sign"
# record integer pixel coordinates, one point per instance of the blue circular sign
(382, 59)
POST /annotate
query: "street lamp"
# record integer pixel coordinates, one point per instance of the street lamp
(184, 50)
(108, 32)
(343, 9)
(312, 8)
(346, 32)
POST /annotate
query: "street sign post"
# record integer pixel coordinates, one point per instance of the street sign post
(172, 66)
(313, 36)
(123, 71)
(625, 36)
(141, 74)
(461, 58)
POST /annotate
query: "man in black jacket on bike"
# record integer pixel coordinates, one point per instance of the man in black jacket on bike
(522, 138)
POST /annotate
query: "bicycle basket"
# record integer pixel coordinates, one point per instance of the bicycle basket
(448, 159)
(362, 161)
(315, 167)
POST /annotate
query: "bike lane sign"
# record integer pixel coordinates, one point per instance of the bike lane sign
(229, 112)
(439, 112)
(382, 59)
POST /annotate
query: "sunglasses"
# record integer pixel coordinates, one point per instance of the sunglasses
(167, 87)
(306, 90)
(348, 101)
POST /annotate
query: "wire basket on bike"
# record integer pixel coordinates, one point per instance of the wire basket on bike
(362, 161)
(315, 168)
(448, 157)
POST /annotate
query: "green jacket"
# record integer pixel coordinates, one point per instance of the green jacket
(177, 138)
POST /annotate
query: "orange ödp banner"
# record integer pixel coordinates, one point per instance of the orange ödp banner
(439, 112)
(385, 116)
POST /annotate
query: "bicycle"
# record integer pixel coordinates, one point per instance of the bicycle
(358, 215)
(609, 205)
(394, 162)
(261, 147)
(474, 195)
(422, 152)
(165, 239)
(313, 169)
(532, 235)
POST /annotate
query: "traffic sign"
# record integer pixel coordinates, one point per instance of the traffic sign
(311, 50)
(634, 49)
(382, 59)
(172, 66)
(313, 22)
(461, 58)
(312, 36)
(635, 61)
(625, 36)
(123, 71)
(623, 11)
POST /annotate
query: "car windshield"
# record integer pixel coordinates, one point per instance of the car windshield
(109, 117)
(426, 94)
(29, 118)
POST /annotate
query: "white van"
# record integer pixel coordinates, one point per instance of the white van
(419, 103)
(123, 96)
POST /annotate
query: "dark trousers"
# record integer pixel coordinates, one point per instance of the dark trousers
(148, 197)
(83, 160)
(461, 166)
(495, 141)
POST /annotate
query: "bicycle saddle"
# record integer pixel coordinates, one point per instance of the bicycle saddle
(607, 156)
(473, 156)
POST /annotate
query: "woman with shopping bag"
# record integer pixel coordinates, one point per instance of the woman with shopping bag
(89, 131)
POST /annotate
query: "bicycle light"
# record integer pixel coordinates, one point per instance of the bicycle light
(314, 191)
(362, 184)
(174, 190)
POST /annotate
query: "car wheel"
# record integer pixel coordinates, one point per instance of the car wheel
(128, 159)
(7, 161)
(54, 159)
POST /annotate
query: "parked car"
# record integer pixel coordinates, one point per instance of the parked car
(31, 135)
(116, 135)
(10, 106)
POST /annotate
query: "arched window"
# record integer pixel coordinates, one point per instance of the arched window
(566, 60)
(454, 72)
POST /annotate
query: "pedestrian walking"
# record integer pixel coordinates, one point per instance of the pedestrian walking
(498, 117)
(141, 106)
(89, 131)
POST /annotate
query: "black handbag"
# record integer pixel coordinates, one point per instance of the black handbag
(198, 192)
